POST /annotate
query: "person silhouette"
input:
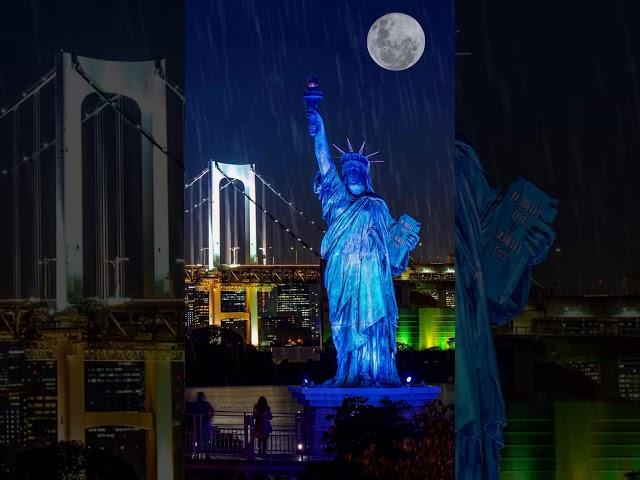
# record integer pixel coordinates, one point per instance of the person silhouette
(262, 424)
(203, 412)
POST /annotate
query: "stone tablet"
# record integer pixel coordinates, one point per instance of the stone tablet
(398, 240)
(505, 254)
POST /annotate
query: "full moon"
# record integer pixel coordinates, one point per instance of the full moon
(395, 41)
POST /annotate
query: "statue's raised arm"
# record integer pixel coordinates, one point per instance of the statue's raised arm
(313, 96)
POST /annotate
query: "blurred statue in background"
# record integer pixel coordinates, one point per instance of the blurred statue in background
(363, 247)
(499, 236)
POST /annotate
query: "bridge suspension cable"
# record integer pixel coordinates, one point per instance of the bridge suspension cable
(46, 145)
(37, 194)
(27, 158)
(198, 178)
(113, 104)
(172, 86)
(268, 214)
(99, 108)
(50, 75)
(290, 204)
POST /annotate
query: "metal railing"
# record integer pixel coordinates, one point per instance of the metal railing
(231, 434)
(576, 326)
(433, 277)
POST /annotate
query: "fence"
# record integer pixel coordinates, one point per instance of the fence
(575, 326)
(231, 434)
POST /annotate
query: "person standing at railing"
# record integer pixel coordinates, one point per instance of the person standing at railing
(203, 422)
(262, 424)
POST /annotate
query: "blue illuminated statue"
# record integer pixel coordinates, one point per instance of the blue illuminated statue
(499, 236)
(358, 274)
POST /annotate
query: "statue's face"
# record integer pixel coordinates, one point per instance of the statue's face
(355, 182)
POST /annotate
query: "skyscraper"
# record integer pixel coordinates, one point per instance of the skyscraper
(28, 399)
(196, 304)
(290, 315)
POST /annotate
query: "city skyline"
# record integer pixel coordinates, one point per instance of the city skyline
(280, 305)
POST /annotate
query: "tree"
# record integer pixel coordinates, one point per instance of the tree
(357, 425)
(384, 442)
(71, 457)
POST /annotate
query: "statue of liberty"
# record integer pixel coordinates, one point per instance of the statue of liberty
(358, 274)
(480, 408)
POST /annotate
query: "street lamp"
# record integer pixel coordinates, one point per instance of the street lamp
(234, 255)
(46, 262)
(296, 252)
(264, 254)
(205, 260)
(116, 264)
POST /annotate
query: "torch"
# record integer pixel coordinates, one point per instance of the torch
(312, 97)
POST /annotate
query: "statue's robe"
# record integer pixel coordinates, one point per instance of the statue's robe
(358, 279)
(480, 413)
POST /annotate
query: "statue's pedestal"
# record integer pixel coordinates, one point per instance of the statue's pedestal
(319, 402)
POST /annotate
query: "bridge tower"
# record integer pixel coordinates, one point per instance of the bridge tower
(160, 303)
(243, 174)
(140, 82)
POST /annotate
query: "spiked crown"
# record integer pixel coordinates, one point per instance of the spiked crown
(353, 159)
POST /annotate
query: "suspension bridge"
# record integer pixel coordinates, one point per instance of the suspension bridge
(91, 191)
(85, 148)
(203, 217)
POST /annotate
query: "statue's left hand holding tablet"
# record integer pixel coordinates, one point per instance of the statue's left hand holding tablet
(413, 238)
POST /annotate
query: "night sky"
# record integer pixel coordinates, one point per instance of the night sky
(551, 92)
(33, 31)
(246, 65)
